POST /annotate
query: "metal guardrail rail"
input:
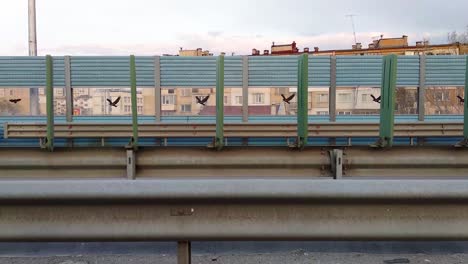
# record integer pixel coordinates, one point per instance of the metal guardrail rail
(248, 130)
(233, 210)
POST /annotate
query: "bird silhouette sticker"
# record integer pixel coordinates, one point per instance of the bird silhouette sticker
(377, 100)
(462, 100)
(201, 100)
(114, 103)
(288, 100)
(15, 101)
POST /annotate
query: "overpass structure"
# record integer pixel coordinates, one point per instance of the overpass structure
(234, 178)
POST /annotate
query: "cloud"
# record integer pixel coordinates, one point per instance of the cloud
(215, 33)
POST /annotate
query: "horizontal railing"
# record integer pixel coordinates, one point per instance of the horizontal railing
(92, 130)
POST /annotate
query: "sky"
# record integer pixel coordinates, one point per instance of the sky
(155, 27)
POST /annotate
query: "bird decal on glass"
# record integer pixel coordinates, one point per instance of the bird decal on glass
(377, 100)
(114, 103)
(202, 100)
(288, 100)
(462, 100)
(15, 101)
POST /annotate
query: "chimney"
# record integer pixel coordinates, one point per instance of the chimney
(405, 38)
(354, 47)
(426, 43)
(266, 52)
(371, 46)
(306, 50)
(316, 49)
(254, 52)
(419, 43)
(358, 46)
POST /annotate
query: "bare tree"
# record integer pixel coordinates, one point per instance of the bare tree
(443, 100)
(454, 37)
(406, 101)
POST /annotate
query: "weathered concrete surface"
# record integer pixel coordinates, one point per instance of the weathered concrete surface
(299, 257)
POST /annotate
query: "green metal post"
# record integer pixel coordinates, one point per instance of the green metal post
(133, 90)
(387, 106)
(219, 140)
(302, 101)
(49, 144)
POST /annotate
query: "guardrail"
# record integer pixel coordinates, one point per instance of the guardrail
(326, 130)
(233, 210)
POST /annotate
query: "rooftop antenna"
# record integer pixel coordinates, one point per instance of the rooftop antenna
(351, 16)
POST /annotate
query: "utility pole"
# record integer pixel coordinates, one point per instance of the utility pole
(354, 27)
(33, 92)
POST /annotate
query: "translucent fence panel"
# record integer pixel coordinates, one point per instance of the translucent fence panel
(269, 101)
(188, 101)
(110, 101)
(444, 101)
(358, 101)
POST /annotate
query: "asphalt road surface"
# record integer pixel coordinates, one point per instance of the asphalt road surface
(237, 253)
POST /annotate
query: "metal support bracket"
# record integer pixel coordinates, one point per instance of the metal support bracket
(336, 163)
(131, 164)
(133, 90)
(49, 140)
(219, 139)
(184, 252)
(387, 106)
(464, 142)
(302, 102)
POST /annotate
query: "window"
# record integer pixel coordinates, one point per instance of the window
(195, 90)
(139, 100)
(441, 96)
(259, 98)
(366, 98)
(168, 99)
(226, 99)
(170, 91)
(323, 98)
(140, 109)
(344, 97)
(322, 112)
(127, 108)
(344, 113)
(186, 108)
(127, 99)
(238, 99)
(11, 92)
(186, 92)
